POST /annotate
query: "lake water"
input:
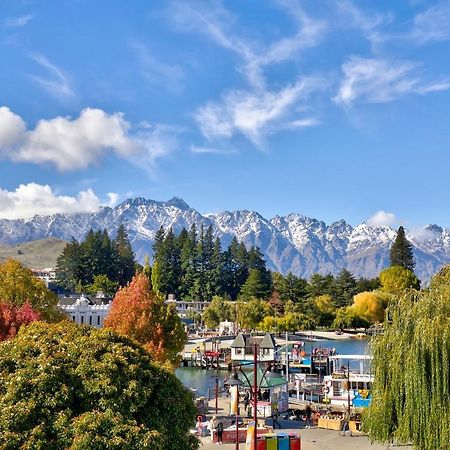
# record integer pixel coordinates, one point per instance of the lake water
(202, 379)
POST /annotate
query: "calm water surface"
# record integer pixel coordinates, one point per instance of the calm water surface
(202, 379)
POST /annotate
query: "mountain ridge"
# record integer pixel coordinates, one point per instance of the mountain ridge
(292, 243)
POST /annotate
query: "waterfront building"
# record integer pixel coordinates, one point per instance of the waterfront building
(84, 310)
(242, 348)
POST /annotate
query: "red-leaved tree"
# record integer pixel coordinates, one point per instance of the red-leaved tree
(139, 313)
(13, 317)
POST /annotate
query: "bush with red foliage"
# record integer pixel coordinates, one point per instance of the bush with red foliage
(12, 318)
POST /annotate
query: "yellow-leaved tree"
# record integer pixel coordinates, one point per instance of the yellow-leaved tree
(19, 286)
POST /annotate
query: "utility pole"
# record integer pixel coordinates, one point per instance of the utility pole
(255, 395)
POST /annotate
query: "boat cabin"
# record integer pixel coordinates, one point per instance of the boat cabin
(350, 381)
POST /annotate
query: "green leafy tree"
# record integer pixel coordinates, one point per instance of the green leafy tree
(325, 308)
(347, 317)
(396, 279)
(402, 251)
(252, 312)
(67, 386)
(104, 284)
(219, 310)
(411, 365)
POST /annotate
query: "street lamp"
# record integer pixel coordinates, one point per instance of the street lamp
(236, 382)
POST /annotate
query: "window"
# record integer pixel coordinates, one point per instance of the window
(98, 320)
(73, 318)
(81, 319)
(90, 320)
(238, 351)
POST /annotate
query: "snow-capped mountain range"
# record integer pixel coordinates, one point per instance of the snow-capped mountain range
(292, 243)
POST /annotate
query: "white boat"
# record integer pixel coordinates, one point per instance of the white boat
(350, 381)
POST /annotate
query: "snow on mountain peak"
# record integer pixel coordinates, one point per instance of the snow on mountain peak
(292, 243)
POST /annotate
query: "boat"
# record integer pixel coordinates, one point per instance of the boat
(360, 336)
(348, 385)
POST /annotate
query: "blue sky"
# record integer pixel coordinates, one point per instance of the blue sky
(333, 109)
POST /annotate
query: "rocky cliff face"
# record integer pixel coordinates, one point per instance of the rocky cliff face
(293, 243)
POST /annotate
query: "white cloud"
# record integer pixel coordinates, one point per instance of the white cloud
(381, 80)
(17, 22)
(58, 83)
(211, 150)
(113, 199)
(382, 218)
(36, 199)
(72, 144)
(12, 129)
(255, 114)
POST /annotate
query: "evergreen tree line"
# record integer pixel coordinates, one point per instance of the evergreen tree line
(97, 257)
(193, 266)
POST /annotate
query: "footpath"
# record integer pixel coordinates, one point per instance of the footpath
(311, 438)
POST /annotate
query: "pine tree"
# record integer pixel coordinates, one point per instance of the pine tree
(402, 251)
(217, 268)
(345, 287)
(158, 243)
(255, 286)
(188, 263)
(125, 257)
(169, 265)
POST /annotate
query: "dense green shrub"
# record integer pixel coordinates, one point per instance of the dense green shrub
(65, 386)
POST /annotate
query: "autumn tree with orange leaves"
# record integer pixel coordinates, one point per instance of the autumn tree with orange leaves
(139, 313)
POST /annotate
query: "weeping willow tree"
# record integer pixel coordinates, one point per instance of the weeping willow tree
(411, 391)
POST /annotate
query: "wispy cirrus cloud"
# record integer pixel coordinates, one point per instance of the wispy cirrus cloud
(216, 22)
(366, 21)
(17, 22)
(260, 110)
(156, 71)
(57, 83)
(73, 144)
(256, 115)
(430, 25)
(198, 150)
(376, 80)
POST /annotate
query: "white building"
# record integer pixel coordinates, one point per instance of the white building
(85, 311)
(186, 308)
(47, 275)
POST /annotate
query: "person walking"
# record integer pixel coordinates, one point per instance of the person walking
(219, 432)
(212, 426)
(275, 416)
(308, 413)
